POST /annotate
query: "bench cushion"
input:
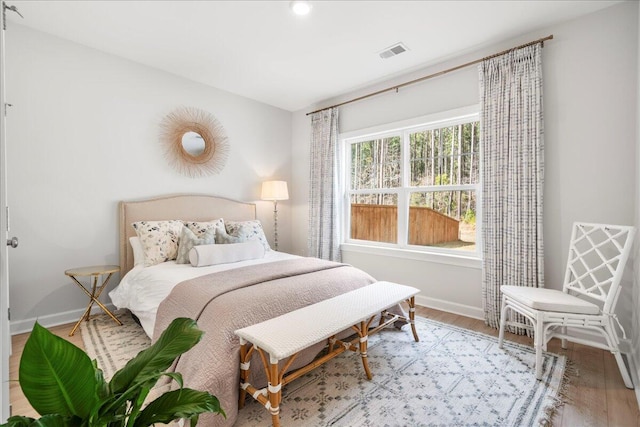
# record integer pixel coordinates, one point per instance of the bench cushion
(292, 332)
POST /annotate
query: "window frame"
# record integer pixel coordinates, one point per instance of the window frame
(402, 248)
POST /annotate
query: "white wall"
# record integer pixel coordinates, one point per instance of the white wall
(82, 135)
(590, 80)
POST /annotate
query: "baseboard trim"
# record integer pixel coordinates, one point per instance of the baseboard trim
(450, 307)
(50, 320)
(22, 326)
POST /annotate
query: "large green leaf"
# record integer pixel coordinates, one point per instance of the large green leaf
(56, 421)
(130, 400)
(180, 336)
(56, 376)
(18, 421)
(181, 403)
(102, 387)
(45, 421)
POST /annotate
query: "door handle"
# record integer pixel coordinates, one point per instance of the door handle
(13, 242)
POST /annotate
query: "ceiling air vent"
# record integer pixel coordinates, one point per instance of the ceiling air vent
(394, 50)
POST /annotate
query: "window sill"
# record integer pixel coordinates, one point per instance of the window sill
(440, 258)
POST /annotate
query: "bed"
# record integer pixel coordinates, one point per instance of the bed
(221, 298)
(142, 289)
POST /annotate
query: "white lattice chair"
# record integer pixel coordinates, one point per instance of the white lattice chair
(597, 256)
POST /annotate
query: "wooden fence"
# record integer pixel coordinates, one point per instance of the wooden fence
(379, 223)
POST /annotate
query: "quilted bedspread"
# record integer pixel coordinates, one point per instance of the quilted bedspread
(224, 302)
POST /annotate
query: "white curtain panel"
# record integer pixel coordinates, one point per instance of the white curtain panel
(324, 195)
(512, 165)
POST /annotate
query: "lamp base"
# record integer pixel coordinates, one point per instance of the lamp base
(275, 225)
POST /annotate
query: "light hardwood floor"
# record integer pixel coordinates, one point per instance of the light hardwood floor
(596, 395)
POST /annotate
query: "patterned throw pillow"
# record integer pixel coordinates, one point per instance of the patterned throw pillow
(247, 230)
(223, 238)
(188, 240)
(199, 228)
(159, 240)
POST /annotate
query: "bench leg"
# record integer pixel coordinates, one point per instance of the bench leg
(412, 317)
(364, 336)
(382, 315)
(275, 393)
(332, 343)
(244, 374)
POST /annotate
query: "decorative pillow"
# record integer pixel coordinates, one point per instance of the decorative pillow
(223, 238)
(159, 240)
(249, 230)
(136, 248)
(188, 240)
(199, 228)
(204, 255)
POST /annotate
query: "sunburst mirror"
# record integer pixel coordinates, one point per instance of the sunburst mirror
(195, 142)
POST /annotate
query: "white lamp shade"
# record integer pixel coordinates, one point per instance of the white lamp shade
(275, 190)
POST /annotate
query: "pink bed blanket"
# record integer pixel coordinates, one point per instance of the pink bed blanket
(224, 302)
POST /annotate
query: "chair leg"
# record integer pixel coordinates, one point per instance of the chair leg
(538, 342)
(612, 340)
(503, 322)
(563, 342)
(623, 370)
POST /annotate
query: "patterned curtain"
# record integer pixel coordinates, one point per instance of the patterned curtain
(324, 194)
(512, 166)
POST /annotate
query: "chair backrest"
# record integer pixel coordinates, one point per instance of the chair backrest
(597, 256)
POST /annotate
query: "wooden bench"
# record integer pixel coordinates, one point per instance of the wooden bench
(313, 324)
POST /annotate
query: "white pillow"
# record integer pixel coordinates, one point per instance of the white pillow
(203, 255)
(138, 252)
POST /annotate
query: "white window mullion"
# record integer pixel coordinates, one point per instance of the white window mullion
(403, 196)
(405, 159)
(435, 188)
(403, 217)
(346, 195)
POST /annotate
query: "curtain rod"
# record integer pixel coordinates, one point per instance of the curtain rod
(439, 73)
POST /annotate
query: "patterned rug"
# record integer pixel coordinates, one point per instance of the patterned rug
(112, 345)
(452, 377)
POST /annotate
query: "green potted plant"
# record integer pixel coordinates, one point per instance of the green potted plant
(68, 389)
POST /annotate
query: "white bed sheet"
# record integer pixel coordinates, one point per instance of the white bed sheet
(142, 289)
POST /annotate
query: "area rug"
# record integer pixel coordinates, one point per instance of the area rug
(452, 377)
(112, 346)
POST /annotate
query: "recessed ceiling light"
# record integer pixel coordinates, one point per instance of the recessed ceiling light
(300, 7)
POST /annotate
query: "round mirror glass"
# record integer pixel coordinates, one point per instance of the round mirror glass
(193, 143)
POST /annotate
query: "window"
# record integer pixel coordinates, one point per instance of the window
(416, 186)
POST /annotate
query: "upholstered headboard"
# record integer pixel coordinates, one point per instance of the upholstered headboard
(188, 207)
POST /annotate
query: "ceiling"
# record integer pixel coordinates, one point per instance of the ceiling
(261, 50)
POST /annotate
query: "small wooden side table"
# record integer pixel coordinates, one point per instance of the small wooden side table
(93, 271)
